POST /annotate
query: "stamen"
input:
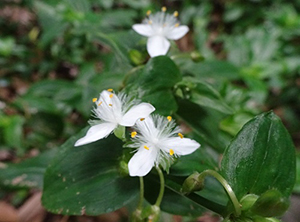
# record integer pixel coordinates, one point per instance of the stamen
(99, 103)
(109, 90)
(180, 135)
(110, 104)
(164, 9)
(94, 99)
(133, 134)
(111, 95)
(169, 118)
(142, 119)
(177, 24)
(149, 22)
(175, 14)
(147, 148)
(148, 12)
(171, 152)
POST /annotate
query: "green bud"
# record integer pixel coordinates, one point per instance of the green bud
(270, 204)
(137, 216)
(155, 213)
(123, 168)
(120, 132)
(192, 183)
(248, 201)
(136, 57)
(196, 56)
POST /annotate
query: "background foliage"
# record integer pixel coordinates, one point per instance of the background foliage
(240, 58)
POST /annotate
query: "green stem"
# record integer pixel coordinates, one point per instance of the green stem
(227, 187)
(162, 187)
(140, 204)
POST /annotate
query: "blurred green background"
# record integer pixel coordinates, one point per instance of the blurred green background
(55, 56)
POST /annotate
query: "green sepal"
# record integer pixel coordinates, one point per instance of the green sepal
(120, 132)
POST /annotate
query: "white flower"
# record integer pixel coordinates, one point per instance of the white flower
(157, 141)
(113, 110)
(158, 28)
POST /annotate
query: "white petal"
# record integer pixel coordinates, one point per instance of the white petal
(142, 162)
(180, 146)
(133, 114)
(110, 109)
(143, 29)
(157, 45)
(177, 32)
(96, 132)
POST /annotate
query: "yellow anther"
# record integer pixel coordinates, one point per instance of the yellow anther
(149, 22)
(94, 99)
(164, 9)
(148, 12)
(133, 134)
(109, 90)
(180, 135)
(110, 104)
(99, 103)
(177, 24)
(111, 95)
(147, 148)
(142, 119)
(171, 152)
(175, 14)
(169, 118)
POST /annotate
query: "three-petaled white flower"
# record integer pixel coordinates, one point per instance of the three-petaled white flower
(160, 27)
(157, 141)
(113, 110)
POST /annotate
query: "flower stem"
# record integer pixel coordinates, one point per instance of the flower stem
(226, 186)
(162, 187)
(140, 204)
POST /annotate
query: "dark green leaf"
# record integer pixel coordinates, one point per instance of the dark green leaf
(86, 179)
(199, 161)
(260, 157)
(205, 95)
(205, 123)
(29, 173)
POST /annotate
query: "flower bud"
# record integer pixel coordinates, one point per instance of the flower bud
(155, 213)
(196, 56)
(248, 201)
(136, 57)
(192, 183)
(270, 204)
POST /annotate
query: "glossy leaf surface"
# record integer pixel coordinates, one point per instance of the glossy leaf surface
(260, 157)
(86, 179)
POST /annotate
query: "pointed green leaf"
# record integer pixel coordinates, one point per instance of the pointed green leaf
(86, 179)
(261, 157)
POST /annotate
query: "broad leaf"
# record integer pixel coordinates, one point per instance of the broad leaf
(156, 82)
(260, 157)
(86, 179)
(205, 124)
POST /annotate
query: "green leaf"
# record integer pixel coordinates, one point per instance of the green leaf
(211, 69)
(204, 122)
(157, 81)
(13, 131)
(86, 179)
(198, 161)
(27, 174)
(213, 197)
(260, 157)
(205, 95)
